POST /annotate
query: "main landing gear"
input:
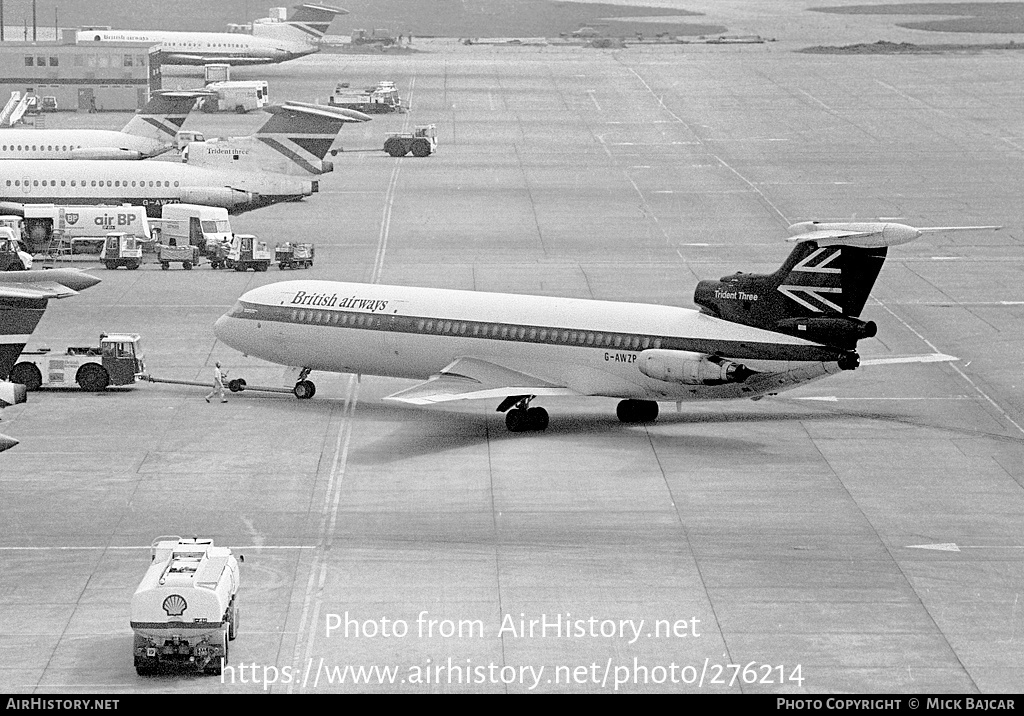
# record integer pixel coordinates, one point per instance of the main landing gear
(304, 389)
(637, 411)
(523, 418)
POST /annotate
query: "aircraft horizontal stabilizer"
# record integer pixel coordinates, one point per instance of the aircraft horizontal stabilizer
(472, 379)
(323, 110)
(866, 234)
(894, 360)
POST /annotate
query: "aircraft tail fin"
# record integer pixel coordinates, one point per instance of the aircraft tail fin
(18, 318)
(819, 291)
(294, 140)
(162, 117)
(307, 23)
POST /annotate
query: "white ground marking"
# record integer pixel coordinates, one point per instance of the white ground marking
(313, 597)
(721, 161)
(955, 367)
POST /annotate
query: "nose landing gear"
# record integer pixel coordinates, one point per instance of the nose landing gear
(304, 389)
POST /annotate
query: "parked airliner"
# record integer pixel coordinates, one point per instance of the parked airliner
(270, 43)
(754, 335)
(150, 132)
(236, 187)
(23, 299)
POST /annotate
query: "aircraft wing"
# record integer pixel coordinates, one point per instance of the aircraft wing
(184, 58)
(475, 378)
(41, 289)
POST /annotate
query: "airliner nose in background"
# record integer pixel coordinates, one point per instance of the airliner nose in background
(271, 40)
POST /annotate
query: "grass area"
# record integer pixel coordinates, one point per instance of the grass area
(907, 48)
(998, 17)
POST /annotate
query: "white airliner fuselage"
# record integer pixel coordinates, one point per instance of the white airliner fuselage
(149, 184)
(200, 48)
(508, 344)
(76, 144)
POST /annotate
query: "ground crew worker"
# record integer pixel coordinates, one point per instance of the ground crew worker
(218, 384)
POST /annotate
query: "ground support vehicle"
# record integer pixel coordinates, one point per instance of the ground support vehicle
(185, 610)
(193, 224)
(13, 256)
(236, 96)
(382, 99)
(218, 254)
(168, 254)
(121, 250)
(248, 252)
(422, 142)
(115, 361)
(292, 256)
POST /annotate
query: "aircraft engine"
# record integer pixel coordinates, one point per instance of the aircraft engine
(105, 153)
(216, 196)
(11, 393)
(691, 368)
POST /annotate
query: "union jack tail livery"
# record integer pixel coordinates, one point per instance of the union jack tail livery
(163, 116)
(820, 290)
(294, 141)
(307, 23)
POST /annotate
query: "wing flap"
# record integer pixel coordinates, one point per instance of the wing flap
(39, 289)
(475, 379)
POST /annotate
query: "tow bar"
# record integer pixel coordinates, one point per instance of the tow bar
(235, 385)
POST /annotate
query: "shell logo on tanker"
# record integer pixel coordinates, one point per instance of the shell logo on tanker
(175, 605)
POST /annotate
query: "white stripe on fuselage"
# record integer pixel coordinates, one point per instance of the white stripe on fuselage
(587, 369)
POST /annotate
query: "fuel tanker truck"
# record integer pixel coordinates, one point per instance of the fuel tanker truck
(185, 611)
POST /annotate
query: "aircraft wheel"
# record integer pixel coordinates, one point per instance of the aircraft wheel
(236, 385)
(637, 411)
(537, 418)
(28, 375)
(304, 389)
(849, 361)
(515, 420)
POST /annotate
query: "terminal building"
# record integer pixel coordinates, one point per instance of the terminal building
(112, 77)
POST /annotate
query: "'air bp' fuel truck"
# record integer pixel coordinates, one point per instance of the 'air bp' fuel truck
(185, 610)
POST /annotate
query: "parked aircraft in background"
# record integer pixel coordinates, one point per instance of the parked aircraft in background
(23, 299)
(270, 43)
(238, 187)
(293, 141)
(149, 133)
(754, 335)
